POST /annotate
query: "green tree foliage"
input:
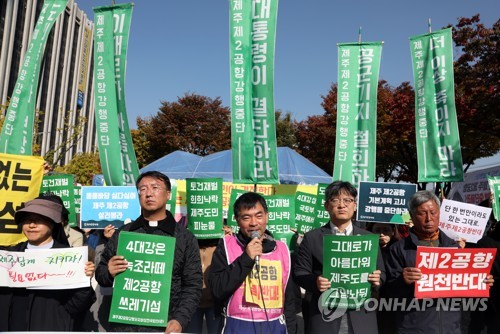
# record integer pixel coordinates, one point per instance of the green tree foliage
(83, 166)
(477, 80)
(141, 145)
(195, 124)
(285, 130)
(316, 134)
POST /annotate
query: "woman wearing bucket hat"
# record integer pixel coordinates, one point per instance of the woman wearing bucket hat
(24, 309)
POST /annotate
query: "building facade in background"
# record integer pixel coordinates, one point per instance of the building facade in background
(65, 122)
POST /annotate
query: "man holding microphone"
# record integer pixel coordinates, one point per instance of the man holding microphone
(250, 275)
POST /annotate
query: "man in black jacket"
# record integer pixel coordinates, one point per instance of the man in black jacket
(402, 271)
(234, 280)
(340, 202)
(154, 191)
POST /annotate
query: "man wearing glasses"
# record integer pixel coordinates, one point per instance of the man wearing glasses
(340, 202)
(154, 191)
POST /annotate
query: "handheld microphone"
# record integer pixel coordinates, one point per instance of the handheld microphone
(256, 235)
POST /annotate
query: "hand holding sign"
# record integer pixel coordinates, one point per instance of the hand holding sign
(411, 275)
(116, 265)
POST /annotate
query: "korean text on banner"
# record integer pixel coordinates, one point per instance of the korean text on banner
(252, 41)
(204, 207)
(17, 130)
(116, 152)
(141, 294)
(355, 146)
(347, 262)
(21, 177)
(450, 272)
(438, 143)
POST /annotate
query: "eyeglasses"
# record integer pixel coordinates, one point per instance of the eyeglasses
(346, 201)
(153, 189)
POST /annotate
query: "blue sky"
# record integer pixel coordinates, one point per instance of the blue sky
(180, 46)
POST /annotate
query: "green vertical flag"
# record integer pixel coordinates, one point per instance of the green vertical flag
(355, 147)
(438, 143)
(253, 131)
(17, 130)
(116, 152)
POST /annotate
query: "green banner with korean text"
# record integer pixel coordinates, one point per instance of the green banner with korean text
(494, 183)
(252, 26)
(204, 207)
(305, 212)
(356, 134)
(231, 219)
(347, 262)
(116, 152)
(63, 186)
(281, 218)
(436, 128)
(141, 294)
(17, 130)
(322, 216)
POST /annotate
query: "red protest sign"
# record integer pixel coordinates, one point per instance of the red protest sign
(453, 272)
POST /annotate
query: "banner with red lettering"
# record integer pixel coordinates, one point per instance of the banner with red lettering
(453, 272)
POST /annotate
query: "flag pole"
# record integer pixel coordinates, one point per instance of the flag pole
(359, 34)
(429, 25)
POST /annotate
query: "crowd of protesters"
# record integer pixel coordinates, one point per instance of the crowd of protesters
(214, 281)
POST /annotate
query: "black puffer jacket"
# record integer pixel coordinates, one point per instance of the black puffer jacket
(421, 318)
(42, 310)
(187, 278)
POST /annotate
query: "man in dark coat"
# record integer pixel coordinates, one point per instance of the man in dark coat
(340, 202)
(402, 273)
(238, 258)
(154, 191)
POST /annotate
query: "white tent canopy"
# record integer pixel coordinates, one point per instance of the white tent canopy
(293, 167)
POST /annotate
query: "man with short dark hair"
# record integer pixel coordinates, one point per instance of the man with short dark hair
(250, 273)
(340, 202)
(154, 191)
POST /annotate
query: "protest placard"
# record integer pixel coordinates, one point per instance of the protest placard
(384, 202)
(453, 272)
(463, 220)
(347, 262)
(305, 211)
(61, 268)
(63, 186)
(104, 205)
(141, 294)
(281, 218)
(204, 207)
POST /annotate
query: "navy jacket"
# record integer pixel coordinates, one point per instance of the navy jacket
(415, 319)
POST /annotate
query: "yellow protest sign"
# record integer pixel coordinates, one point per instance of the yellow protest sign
(20, 181)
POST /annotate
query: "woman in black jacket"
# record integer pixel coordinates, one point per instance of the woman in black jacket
(23, 309)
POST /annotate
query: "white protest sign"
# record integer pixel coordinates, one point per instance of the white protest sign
(55, 267)
(463, 220)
